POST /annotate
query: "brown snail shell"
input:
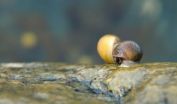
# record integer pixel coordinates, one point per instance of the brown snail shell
(127, 50)
(112, 50)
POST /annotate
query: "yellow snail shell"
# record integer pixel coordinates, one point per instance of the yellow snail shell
(105, 47)
(112, 50)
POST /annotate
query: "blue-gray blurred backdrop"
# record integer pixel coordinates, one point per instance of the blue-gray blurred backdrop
(68, 30)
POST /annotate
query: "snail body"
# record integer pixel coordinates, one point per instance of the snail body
(114, 51)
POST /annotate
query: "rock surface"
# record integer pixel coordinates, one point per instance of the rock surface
(55, 83)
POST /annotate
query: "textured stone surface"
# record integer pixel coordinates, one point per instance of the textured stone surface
(55, 83)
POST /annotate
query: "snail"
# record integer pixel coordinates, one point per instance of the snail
(114, 51)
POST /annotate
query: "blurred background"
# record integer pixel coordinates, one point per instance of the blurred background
(68, 30)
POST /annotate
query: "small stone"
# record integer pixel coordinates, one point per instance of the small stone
(40, 95)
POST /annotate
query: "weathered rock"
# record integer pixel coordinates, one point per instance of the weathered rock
(54, 83)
